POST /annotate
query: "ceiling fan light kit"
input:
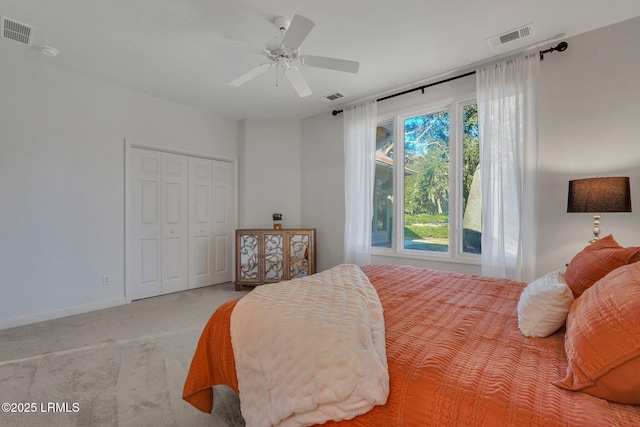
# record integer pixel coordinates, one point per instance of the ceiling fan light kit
(284, 52)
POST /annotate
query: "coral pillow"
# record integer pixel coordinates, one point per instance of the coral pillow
(602, 340)
(544, 305)
(596, 261)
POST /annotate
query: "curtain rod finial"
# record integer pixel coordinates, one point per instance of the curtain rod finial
(561, 47)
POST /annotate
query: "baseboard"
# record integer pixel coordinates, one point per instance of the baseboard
(56, 314)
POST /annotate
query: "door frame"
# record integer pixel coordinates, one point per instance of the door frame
(127, 197)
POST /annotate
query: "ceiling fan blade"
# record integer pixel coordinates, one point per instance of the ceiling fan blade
(236, 43)
(297, 81)
(331, 63)
(297, 32)
(251, 74)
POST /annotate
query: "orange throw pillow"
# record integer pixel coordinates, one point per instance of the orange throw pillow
(602, 340)
(595, 261)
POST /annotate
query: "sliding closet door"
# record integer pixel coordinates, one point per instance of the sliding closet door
(144, 273)
(223, 224)
(200, 193)
(175, 267)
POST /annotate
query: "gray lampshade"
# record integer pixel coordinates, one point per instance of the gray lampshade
(597, 195)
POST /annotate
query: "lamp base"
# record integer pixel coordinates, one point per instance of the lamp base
(596, 228)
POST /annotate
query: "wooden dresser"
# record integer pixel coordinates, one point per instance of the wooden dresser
(269, 256)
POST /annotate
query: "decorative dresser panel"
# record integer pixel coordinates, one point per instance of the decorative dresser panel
(268, 256)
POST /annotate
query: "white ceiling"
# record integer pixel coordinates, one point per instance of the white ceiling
(176, 49)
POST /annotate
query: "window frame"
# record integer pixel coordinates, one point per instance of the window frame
(455, 252)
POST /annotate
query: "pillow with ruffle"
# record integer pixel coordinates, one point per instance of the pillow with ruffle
(602, 340)
(595, 261)
(544, 305)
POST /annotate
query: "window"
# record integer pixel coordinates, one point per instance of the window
(381, 234)
(430, 158)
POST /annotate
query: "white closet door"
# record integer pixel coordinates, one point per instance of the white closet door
(180, 222)
(175, 265)
(144, 274)
(222, 225)
(200, 192)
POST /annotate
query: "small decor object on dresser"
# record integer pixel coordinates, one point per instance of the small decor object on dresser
(277, 221)
(269, 256)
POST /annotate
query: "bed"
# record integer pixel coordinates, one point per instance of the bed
(455, 354)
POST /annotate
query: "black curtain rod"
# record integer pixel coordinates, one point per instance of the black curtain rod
(561, 47)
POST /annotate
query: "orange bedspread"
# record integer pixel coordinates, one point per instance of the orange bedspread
(456, 358)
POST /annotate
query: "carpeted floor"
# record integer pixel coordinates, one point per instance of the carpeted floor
(123, 366)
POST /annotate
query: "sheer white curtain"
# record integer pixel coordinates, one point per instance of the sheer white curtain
(507, 117)
(360, 123)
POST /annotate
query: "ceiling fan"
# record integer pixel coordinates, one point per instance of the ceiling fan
(284, 52)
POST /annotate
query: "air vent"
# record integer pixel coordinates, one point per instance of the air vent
(510, 36)
(14, 30)
(335, 96)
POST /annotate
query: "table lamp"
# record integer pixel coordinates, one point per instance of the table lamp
(598, 195)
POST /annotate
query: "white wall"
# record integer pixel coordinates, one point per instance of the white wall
(589, 126)
(269, 173)
(62, 167)
(62, 175)
(589, 115)
(323, 186)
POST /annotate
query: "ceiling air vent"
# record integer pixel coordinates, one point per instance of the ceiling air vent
(510, 36)
(14, 30)
(334, 96)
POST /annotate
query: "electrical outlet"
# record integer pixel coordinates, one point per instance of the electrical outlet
(106, 280)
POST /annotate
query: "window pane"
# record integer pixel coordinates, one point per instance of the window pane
(382, 226)
(426, 182)
(471, 187)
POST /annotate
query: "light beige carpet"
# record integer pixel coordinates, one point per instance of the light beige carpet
(123, 366)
